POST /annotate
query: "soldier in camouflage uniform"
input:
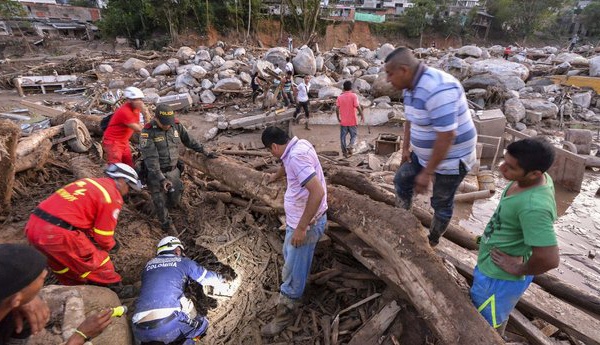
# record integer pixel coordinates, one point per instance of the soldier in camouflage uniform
(159, 144)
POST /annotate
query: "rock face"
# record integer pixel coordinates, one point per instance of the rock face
(381, 87)
(473, 51)
(547, 109)
(185, 53)
(384, 51)
(514, 110)
(229, 84)
(304, 62)
(134, 64)
(500, 67)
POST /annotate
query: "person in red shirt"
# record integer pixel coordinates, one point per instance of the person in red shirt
(347, 104)
(123, 123)
(75, 226)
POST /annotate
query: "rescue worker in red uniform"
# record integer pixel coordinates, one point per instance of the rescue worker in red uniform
(123, 123)
(75, 226)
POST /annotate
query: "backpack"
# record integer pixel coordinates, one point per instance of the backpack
(104, 122)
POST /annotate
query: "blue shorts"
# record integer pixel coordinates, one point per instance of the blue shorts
(496, 298)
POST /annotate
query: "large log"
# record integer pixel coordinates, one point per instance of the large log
(36, 159)
(28, 144)
(9, 134)
(91, 122)
(535, 301)
(396, 235)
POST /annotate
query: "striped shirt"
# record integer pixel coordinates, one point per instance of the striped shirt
(437, 103)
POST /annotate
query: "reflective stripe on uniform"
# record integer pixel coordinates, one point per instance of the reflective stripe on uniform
(88, 272)
(102, 189)
(104, 232)
(63, 271)
(492, 302)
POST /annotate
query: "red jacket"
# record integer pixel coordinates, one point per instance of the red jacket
(117, 130)
(89, 204)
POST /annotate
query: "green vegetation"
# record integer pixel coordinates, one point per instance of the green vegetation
(590, 17)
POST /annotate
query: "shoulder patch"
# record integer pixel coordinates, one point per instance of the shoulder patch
(144, 135)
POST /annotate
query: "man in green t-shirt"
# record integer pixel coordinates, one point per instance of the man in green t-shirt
(519, 240)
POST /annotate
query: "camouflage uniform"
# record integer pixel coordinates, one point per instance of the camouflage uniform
(160, 152)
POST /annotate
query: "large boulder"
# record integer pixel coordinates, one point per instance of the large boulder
(547, 109)
(197, 72)
(362, 86)
(572, 58)
(229, 84)
(514, 110)
(245, 78)
(304, 62)
(329, 92)
(104, 68)
(456, 66)
(260, 66)
(381, 87)
(228, 73)
(319, 82)
(162, 69)
(595, 66)
(218, 61)
(582, 99)
(500, 67)
(185, 53)
(206, 84)
(185, 81)
(202, 55)
(133, 64)
(241, 51)
(277, 55)
(319, 62)
(473, 51)
(482, 81)
(384, 51)
(350, 49)
(207, 97)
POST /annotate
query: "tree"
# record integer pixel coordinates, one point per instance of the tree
(522, 18)
(419, 16)
(305, 14)
(11, 9)
(590, 17)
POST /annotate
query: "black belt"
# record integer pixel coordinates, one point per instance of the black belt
(53, 220)
(155, 323)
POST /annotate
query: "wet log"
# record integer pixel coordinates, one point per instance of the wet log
(569, 292)
(36, 159)
(528, 329)
(376, 326)
(91, 122)
(246, 153)
(28, 144)
(363, 185)
(229, 199)
(249, 183)
(535, 301)
(397, 237)
(472, 196)
(9, 134)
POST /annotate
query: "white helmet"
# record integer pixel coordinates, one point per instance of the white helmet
(133, 92)
(121, 170)
(168, 244)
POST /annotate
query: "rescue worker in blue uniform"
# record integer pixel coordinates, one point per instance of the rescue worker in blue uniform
(159, 144)
(163, 312)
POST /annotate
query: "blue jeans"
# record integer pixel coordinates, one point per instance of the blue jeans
(180, 328)
(444, 187)
(344, 130)
(496, 298)
(297, 260)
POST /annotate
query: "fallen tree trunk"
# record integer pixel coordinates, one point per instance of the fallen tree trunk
(360, 183)
(396, 236)
(91, 122)
(248, 182)
(83, 167)
(36, 159)
(28, 144)
(9, 134)
(229, 199)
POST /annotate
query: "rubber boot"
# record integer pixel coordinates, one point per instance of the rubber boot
(436, 230)
(403, 203)
(283, 318)
(306, 125)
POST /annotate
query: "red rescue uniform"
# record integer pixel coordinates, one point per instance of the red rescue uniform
(116, 137)
(91, 206)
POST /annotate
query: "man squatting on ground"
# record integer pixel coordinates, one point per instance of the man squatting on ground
(305, 205)
(159, 144)
(439, 136)
(519, 240)
(347, 104)
(22, 311)
(163, 313)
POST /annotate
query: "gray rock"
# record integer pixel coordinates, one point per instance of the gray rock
(595, 66)
(362, 86)
(260, 66)
(173, 64)
(520, 126)
(304, 62)
(239, 52)
(197, 72)
(185, 81)
(550, 50)
(218, 61)
(380, 87)
(184, 69)
(222, 125)
(482, 81)
(133, 64)
(116, 84)
(514, 110)
(228, 73)
(358, 62)
(384, 51)
(319, 61)
(104, 68)
(547, 109)
(218, 51)
(206, 84)
(212, 117)
(185, 53)
(245, 78)
(144, 73)
(500, 67)
(511, 82)
(373, 70)
(473, 51)
(229, 84)
(202, 55)
(206, 65)
(230, 64)
(151, 95)
(370, 78)
(455, 66)
(572, 58)
(582, 99)
(384, 99)
(533, 117)
(562, 68)
(162, 69)
(207, 97)
(350, 49)
(277, 55)
(496, 50)
(329, 92)
(319, 82)
(211, 133)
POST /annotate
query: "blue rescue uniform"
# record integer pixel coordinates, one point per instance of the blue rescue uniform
(161, 313)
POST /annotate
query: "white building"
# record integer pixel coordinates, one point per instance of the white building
(398, 6)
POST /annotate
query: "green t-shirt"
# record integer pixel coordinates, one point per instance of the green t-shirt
(521, 221)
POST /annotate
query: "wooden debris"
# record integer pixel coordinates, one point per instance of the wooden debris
(472, 196)
(36, 159)
(246, 153)
(528, 329)
(28, 144)
(376, 326)
(9, 134)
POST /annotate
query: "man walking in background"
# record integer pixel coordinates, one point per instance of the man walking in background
(347, 104)
(301, 96)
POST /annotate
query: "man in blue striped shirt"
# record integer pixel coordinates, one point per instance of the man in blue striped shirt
(439, 136)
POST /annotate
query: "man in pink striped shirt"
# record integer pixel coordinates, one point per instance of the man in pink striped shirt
(347, 104)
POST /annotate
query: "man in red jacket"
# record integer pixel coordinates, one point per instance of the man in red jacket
(123, 123)
(75, 226)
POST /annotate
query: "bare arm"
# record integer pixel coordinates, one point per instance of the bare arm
(542, 260)
(337, 113)
(360, 112)
(315, 196)
(135, 126)
(277, 175)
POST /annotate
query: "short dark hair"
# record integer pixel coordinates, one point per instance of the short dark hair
(532, 153)
(402, 56)
(347, 85)
(274, 135)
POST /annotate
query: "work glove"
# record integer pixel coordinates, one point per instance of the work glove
(229, 275)
(211, 155)
(115, 248)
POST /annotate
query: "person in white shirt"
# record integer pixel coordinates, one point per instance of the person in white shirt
(290, 43)
(301, 93)
(289, 67)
